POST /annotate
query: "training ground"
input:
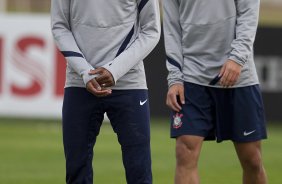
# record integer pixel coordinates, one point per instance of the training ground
(31, 152)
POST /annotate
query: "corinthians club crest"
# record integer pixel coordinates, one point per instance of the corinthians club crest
(177, 122)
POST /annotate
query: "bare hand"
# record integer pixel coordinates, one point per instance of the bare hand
(230, 73)
(93, 87)
(105, 78)
(171, 99)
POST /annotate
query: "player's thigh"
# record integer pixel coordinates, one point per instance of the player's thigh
(129, 115)
(196, 116)
(82, 116)
(248, 115)
(239, 114)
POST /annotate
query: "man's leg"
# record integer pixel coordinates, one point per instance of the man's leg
(82, 118)
(190, 126)
(187, 155)
(250, 158)
(128, 112)
(137, 163)
(240, 117)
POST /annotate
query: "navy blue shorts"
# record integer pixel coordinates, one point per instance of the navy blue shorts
(235, 114)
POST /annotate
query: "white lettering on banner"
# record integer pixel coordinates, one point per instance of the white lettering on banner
(32, 70)
(269, 70)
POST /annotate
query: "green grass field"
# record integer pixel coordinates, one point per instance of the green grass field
(31, 153)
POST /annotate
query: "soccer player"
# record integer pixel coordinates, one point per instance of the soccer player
(213, 85)
(104, 43)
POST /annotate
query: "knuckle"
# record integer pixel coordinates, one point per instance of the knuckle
(170, 94)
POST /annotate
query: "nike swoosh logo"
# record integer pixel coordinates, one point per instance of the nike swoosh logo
(142, 103)
(248, 133)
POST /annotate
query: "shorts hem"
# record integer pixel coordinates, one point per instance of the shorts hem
(200, 134)
(242, 140)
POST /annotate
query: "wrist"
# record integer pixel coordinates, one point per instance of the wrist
(87, 77)
(237, 60)
(178, 82)
(110, 70)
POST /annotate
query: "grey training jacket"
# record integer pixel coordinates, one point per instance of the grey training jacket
(114, 34)
(201, 35)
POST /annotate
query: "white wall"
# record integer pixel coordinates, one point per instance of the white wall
(31, 75)
(3, 6)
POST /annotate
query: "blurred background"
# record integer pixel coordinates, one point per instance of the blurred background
(32, 74)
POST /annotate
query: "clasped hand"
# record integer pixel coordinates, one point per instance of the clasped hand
(100, 85)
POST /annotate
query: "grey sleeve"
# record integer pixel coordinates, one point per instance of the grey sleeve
(246, 27)
(173, 46)
(60, 15)
(150, 29)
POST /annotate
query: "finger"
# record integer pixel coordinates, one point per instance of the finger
(222, 75)
(228, 81)
(171, 106)
(234, 79)
(222, 70)
(102, 93)
(227, 77)
(102, 79)
(97, 92)
(231, 80)
(169, 102)
(174, 103)
(90, 87)
(109, 81)
(224, 79)
(181, 96)
(106, 85)
(105, 78)
(96, 84)
(96, 71)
